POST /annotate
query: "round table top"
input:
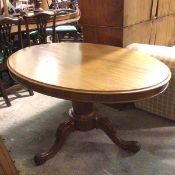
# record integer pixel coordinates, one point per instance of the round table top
(89, 72)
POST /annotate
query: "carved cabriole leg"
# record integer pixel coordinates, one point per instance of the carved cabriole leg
(83, 117)
(62, 133)
(106, 126)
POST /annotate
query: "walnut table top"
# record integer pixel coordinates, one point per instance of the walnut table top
(89, 71)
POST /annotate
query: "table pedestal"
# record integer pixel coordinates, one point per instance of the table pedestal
(83, 117)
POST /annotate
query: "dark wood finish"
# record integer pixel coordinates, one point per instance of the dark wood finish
(122, 18)
(103, 35)
(62, 19)
(4, 94)
(41, 19)
(6, 38)
(87, 73)
(62, 133)
(7, 47)
(98, 13)
(83, 117)
(7, 166)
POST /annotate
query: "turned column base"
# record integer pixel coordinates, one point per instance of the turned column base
(83, 117)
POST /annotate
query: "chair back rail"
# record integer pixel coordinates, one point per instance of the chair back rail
(41, 20)
(68, 31)
(7, 46)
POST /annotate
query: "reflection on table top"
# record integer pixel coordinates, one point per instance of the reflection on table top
(89, 68)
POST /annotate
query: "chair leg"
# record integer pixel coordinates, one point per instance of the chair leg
(58, 37)
(4, 94)
(30, 92)
(75, 35)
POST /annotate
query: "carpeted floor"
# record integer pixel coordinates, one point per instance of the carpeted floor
(30, 123)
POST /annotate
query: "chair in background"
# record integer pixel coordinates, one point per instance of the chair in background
(56, 4)
(40, 35)
(8, 44)
(65, 32)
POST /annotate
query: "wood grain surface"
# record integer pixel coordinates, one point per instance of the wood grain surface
(144, 21)
(91, 71)
(6, 164)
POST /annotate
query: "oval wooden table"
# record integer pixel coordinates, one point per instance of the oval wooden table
(88, 73)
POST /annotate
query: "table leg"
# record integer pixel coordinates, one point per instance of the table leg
(62, 133)
(106, 126)
(83, 117)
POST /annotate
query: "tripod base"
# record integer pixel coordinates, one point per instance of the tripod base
(83, 117)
